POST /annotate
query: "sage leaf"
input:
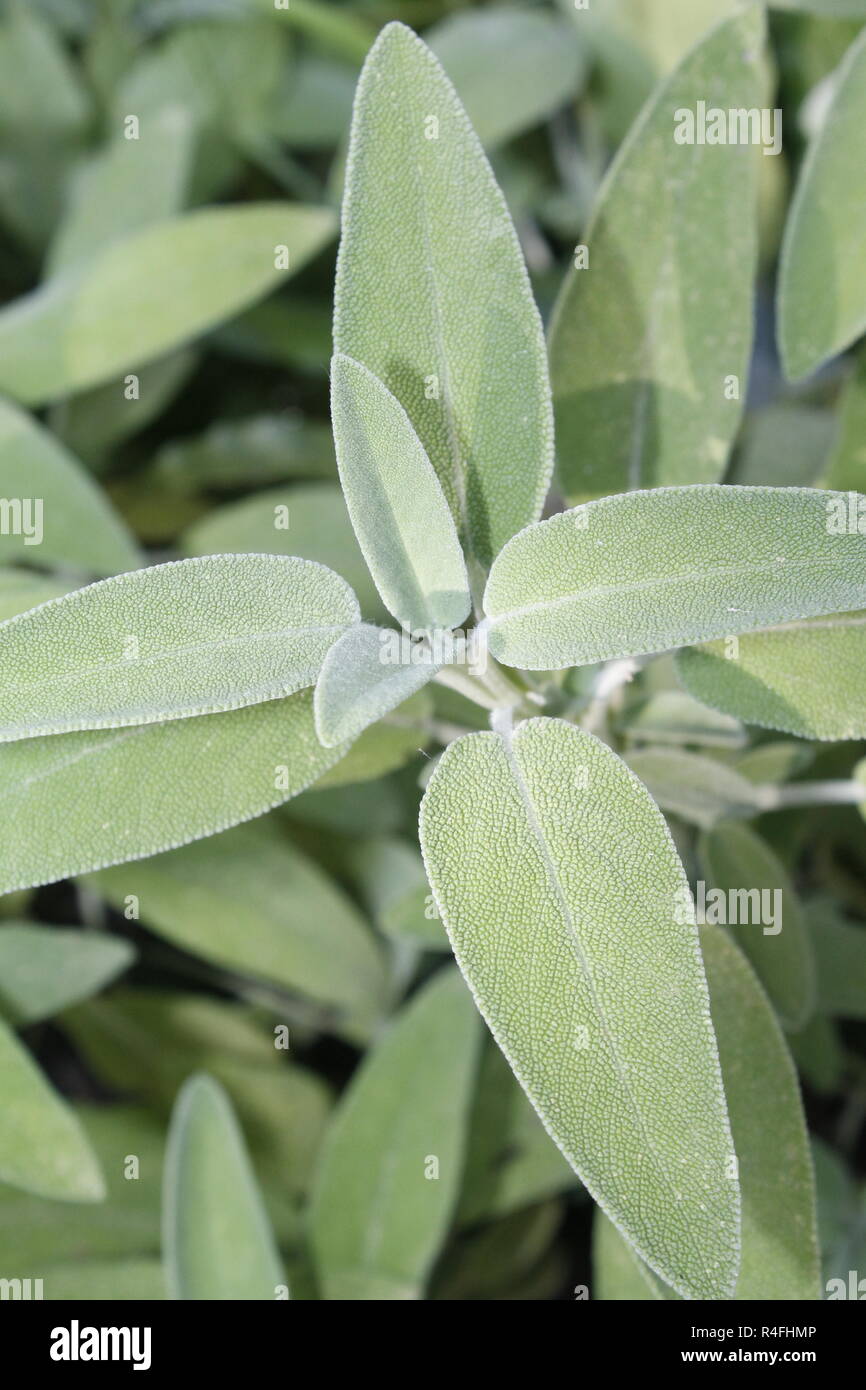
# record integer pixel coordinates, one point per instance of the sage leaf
(309, 520)
(675, 718)
(390, 878)
(189, 637)
(643, 393)
(105, 1281)
(359, 683)
(378, 1218)
(642, 572)
(64, 517)
(804, 678)
(43, 1148)
(217, 1243)
(695, 788)
(753, 884)
(605, 1021)
(45, 969)
(779, 1245)
(840, 958)
(432, 294)
(396, 503)
(511, 1160)
(822, 301)
(23, 589)
(129, 793)
(103, 316)
(511, 68)
(846, 469)
(299, 930)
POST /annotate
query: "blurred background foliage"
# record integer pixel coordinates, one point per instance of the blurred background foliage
(246, 104)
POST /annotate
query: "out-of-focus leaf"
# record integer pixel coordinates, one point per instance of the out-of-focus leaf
(639, 573)
(130, 793)
(847, 467)
(95, 421)
(822, 301)
(804, 678)
(103, 317)
(23, 589)
(429, 259)
(495, 1262)
(45, 969)
(105, 1281)
(130, 185)
(316, 103)
(35, 1231)
(358, 683)
(309, 520)
(42, 1146)
(841, 1221)
(550, 827)
(649, 339)
(840, 958)
(511, 68)
(673, 717)
(217, 1242)
(511, 1160)
(62, 518)
(188, 638)
(396, 503)
(390, 877)
(384, 746)
(697, 789)
(817, 1050)
(292, 331)
(390, 1168)
(774, 935)
(40, 85)
(248, 900)
(783, 446)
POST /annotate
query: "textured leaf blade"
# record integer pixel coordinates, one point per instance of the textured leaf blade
(358, 683)
(644, 338)
(299, 930)
(103, 316)
(646, 571)
(129, 793)
(377, 1222)
(779, 1246)
(45, 969)
(805, 678)
(432, 294)
(74, 525)
(217, 1242)
(42, 1146)
(396, 503)
(756, 885)
(605, 1021)
(822, 300)
(187, 638)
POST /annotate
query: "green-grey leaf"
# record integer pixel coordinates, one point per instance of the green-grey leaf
(389, 875)
(432, 294)
(66, 519)
(309, 520)
(299, 930)
(45, 969)
(23, 589)
(378, 1214)
(646, 338)
(846, 469)
(697, 789)
(148, 293)
(805, 678)
(779, 1258)
(840, 958)
(642, 572)
(360, 682)
(396, 503)
(757, 901)
(673, 717)
(511, 1160)
(134, 1280)
(217, 1242)
(822, 299)
(76, 802)
(511, 68)
(129, 185)
(42, 1146)
(605, 1021)
(186, 638)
